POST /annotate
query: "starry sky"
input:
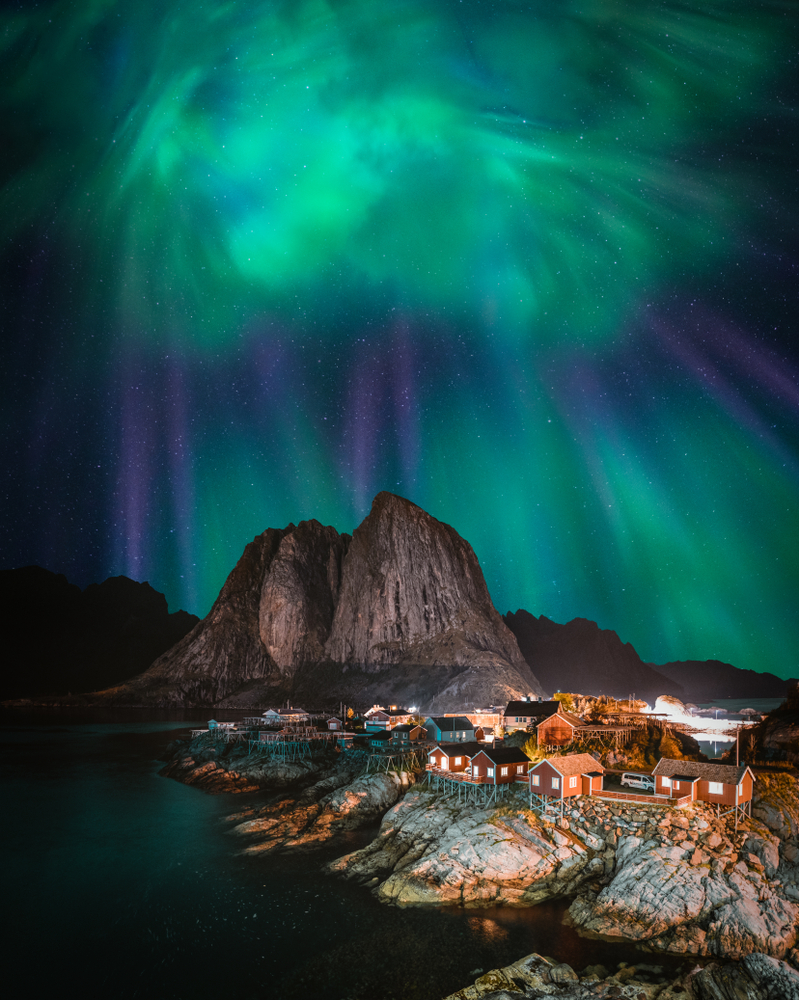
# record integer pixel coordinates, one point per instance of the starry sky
(532, 265)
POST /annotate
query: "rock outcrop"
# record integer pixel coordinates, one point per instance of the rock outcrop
(676, 881)
(333, 805)
(398, 611)
(776, 737)
(580, 656)
(216, 767)
(756, 977)
(435, 851)
(696, 885)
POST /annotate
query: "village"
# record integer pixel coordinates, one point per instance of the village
(611, 806)
(532, 745)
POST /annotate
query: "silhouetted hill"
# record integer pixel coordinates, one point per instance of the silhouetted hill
(580, 656)
(59, 639)
(708, 680)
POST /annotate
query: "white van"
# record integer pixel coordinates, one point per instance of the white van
(643, 781)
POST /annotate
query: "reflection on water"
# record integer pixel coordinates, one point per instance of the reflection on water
(131, 885)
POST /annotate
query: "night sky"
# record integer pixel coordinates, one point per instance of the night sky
(531, 265)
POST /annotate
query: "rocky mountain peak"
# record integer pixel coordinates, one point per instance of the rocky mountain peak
(399, 610)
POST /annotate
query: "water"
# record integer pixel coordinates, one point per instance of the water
(733, 706)
(121, 882)
(717, 746)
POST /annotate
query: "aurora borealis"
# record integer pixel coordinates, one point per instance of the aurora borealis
(531, 265)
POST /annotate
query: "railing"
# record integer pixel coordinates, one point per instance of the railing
(477, 779)
(655, 799)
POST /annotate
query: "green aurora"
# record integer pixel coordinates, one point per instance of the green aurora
(531, 265)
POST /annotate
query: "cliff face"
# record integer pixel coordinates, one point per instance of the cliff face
(580, 656)
(398, 611)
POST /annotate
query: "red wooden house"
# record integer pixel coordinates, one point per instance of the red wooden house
(557, 730)
(727, 785)
(564, 777)
(499, 765)
(452, 756)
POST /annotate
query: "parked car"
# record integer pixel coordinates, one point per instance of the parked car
(643, 781)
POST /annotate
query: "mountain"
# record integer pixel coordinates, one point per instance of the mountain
(60, 639)
(581, 657)
(398, 611)
(708, 680)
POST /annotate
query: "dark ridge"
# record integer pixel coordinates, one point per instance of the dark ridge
(60, 639)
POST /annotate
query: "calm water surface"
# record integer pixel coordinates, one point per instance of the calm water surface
(121, 882)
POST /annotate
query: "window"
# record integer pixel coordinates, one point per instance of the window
(536, 779)
(504, 771)
(666, 782)
(556, 782)
(573, 781)
(715, 787)
(475, 771)
(444, 762)
(490, 772)
(457, 761)
(520, 768)
(676, 784)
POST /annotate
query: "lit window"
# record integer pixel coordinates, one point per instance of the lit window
(457, 761)
(504, 771)
(490, 772)
(556, 782)
(666, 782)
(444, 761)
(573, 782)
(536, 779)
(476, 771)
(520, 768)
(715, 787)
(676, 784)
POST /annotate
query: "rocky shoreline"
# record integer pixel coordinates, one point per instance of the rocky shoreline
(677, 882)
(755, 977)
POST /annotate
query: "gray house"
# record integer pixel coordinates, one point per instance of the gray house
(449, 729)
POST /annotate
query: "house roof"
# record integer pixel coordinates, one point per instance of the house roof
(406, 727)
(505, 755)
(574, 721)
(686, 770)
(450, 723)
(383, 735)
(573, 763)
(532, 709)
(467, 749)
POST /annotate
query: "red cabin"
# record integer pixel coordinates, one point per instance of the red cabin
(452, 756)
(557, 730)
(729, 785)
(500, 765)
(565, 777)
